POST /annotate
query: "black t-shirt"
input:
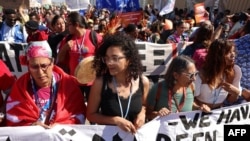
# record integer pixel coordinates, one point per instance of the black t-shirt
(110, 104)
(53, 41)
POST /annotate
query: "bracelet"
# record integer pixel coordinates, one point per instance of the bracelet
(240, 94)
(1, 115)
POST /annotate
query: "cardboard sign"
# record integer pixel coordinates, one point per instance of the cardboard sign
(131, 17)
(200, 12)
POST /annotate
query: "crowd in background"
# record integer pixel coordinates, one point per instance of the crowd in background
(170, 28)
(210, 73)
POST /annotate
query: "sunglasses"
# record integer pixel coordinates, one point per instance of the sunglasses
(191, 75)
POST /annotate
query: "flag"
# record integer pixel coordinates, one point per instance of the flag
(169, 7)
(107, 4)
(133, 5)
(118, 5)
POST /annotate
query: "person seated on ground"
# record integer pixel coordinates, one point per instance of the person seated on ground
(118, 95)
(7, 79)
(219, 77)
(175, 92)
(45, 95)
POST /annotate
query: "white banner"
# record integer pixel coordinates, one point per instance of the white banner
(186, 126)
(76, 5)
(44, 2)
(34, 3)
(9, 53)
(155, 57)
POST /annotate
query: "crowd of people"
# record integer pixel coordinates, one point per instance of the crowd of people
(210, 73)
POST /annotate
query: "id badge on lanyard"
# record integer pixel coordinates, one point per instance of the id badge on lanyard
(81, 48)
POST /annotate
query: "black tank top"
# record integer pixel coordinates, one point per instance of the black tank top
(110, 104)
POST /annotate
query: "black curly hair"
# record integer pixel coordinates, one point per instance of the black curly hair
(128, 47)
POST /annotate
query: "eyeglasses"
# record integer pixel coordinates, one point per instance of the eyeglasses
(191, 75)
(114, 59)
(44, 67)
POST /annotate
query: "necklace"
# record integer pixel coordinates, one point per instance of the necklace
(120, 105)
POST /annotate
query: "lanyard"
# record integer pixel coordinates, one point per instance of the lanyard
(48, 104)
(178, 106)
(80, 47)
(129, 101)
(216, 95)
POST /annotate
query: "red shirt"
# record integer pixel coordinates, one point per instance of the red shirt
(7, 79)
(87, 49)
(38, 36)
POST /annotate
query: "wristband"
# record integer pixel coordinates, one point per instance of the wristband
(1, 115)
(240, 94)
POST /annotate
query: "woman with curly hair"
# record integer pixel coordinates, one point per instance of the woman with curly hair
(219, 78)
(119, 90)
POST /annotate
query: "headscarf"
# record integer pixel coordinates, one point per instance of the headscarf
(36, 49)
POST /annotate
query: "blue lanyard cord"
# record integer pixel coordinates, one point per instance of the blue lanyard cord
(52, 96)
(129, 101)
(216, 95)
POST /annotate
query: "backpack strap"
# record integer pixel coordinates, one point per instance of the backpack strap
(158, 93)
(1, 24)
(141, 85)
(104, 84)
(192, 87)
(93, 38)
(69, 37)
(1, 31)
